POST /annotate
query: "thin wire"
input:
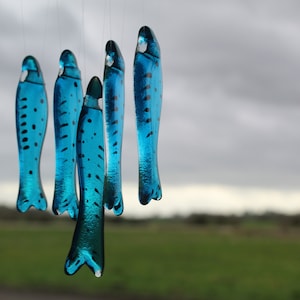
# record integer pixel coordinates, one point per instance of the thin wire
(23, 26)
(45, 29)
(123, 22)
(58, 24)
(83, 37)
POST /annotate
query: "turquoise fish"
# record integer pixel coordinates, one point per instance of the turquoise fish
(31, 125)
(148, 101)
(113, 106)
(68, 99)
(88, 239)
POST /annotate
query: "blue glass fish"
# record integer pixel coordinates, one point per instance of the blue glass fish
(88, 240)
(113, 105)
(31, 125)
(148, 100)
(68, 99)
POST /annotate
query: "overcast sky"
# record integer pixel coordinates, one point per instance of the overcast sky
(231, 70)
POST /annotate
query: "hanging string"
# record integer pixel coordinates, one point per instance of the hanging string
(58, 24)
(123, 23)
(45, 30)
(83, 42)
(22, 22)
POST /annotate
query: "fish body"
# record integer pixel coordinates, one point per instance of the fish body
(113, 105)
(31, 125)
(148, 101)
(88, 240)
(68, 99)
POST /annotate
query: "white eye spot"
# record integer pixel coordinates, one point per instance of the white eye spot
(109, 60)
(23, 75)
(142, 45)
(60, 71)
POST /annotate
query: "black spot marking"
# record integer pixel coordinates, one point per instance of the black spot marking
(96, 190)
(148, 120)
(115, 98)
(35, 109)
(42, 101)
(100, 156)
(41, 195)
(23, 124)
(147, 87)
(64, 136)
(101, 148)
(64, 125)
(25, 139)
(75, 84)
(115, 144)
(64, 149)
(26, 147)
(115, 152)
(148, 75)
(115, 132)
(149, 134)
(63, 102)
(148, 97)
(36, 144)
(89, 175)
(73, 123)
(89, 120)
(147, 109)
(96, 204)
(33, 126)
(30, 172)
(24, 107)
(23, 116)
(114, 122)
(23, 99)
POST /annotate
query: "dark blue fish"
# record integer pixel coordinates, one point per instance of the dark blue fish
(88, 242)
(68, 99)
(148, 100)
(113, 104)
(31, 124)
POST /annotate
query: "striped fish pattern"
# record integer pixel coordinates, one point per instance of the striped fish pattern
(88, 240)
(113, 105)
(31, 125)
(148, 101)
(68, 99)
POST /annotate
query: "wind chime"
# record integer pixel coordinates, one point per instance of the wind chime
(90, 138)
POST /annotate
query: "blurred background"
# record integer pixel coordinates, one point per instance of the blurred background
(229, 136)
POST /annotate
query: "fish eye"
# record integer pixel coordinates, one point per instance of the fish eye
(109, 60)
(142, 45)
(60, 71)
(23, 75)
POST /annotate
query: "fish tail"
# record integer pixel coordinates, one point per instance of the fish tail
(149, 185)
(66, 203)
(31, 195)
(112, 199)
(79, 257)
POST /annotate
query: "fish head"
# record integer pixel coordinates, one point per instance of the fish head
(113, 57)
(68, 64)
(31, 70)
(93, 93)
(147, 42)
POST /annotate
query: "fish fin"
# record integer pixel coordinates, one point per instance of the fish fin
(69, 204)
(31, 198)
(149, 190)
(76, 259)
(118, 205)
(112, 199)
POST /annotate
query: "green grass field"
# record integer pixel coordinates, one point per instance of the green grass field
(158, 260)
